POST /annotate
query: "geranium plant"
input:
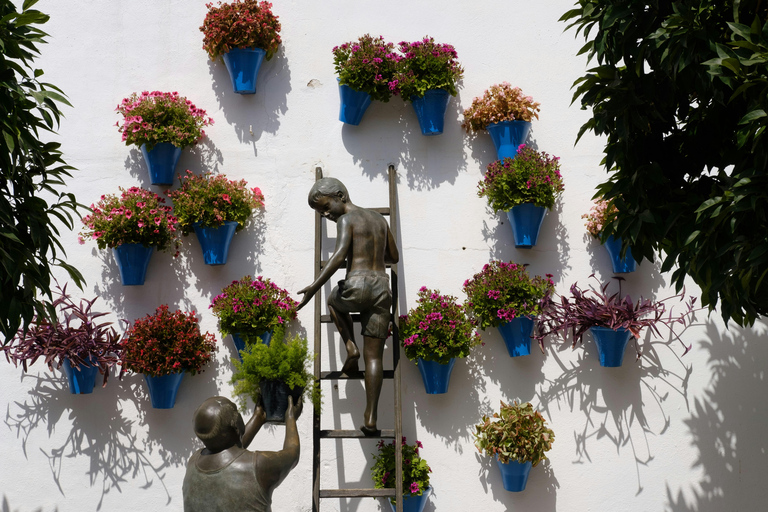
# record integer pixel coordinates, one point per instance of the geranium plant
(437, 329)
(369, 65)
(79, 335)
(415, 469)
(503, 291)
(137, 216)
(166, 342)
(212, 200)
(602, 213)
(500, 102)
(249, 307)
(427, 65)
(154, 117)
(530, 177)
(240, 24)
(516, 433)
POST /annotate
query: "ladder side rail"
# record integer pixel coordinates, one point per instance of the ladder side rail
(318, 344)
(393, 224)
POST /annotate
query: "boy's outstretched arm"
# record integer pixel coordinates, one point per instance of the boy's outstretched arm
(343, 243)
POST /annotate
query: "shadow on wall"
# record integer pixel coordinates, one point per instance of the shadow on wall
(727, 426)
(540, 492)
(7, 507)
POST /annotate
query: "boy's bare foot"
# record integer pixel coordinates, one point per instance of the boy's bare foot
(351, 367)
(370, 431)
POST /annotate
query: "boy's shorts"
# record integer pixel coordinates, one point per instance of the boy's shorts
(366, 292)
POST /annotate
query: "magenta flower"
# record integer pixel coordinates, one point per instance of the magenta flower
(414, 487)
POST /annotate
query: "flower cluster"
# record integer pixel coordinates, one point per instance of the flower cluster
(530, 177)
(426, 65)
(600, 215)
(517, 433)
(153, 117)
(368, 65)
(241, 24)
(138, 216)
(503, 291)
(501, 102)
(250, 307)
(166, 343)
(437, 329)
(415, 469)
(212, 200)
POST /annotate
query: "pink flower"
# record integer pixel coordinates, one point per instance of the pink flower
(414, 487)
(226, 198)
(158, 220)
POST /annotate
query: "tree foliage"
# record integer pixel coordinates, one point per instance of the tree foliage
(679, 90)
(31, 170)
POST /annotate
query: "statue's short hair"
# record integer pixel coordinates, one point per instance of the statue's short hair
(325, 187)
(214, 417)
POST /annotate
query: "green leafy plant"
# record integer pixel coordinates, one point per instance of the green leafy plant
(369, 65)
(530, 177)
(251, 307)
(281, 361)
(166, 343)
(153, 117)
(240, 24)
(138, 216)
(415, 469)
(437, 329)
(426, 65)
(516, 433)
(32, 174)
(212, 200)
(503, 291)
(500, 102)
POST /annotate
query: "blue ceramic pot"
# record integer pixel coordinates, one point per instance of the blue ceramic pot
(82, 378)
(517, 335)
(514, 475)
(430, 110)
(353, 104)
(526, 220)
(161, 162)
(163, 389)
(620, 265)
(239, 342)
(274, 396)
(436, 376)
(610, 345)
(215, 241)
(132, 260)
(243, 65)
(507, 136)
(414, 503)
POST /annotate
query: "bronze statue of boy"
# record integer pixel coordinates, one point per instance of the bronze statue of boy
(225, 476)
(365, 241)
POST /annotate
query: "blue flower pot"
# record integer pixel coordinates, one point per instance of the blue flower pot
(239, 342)
(274, 396)
(526, 220)
(436, 376)
(161, 162)
(414, 503)
(132, 260)
(430, 110)
(517, 335)
(82, 378)
(243, 65)
(514, 475)
(215, 241)
(620, 265)
(353, 104)
(610, 345)
(507, 136)
(163, 389)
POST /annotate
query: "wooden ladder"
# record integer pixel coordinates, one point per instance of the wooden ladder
(393, 375)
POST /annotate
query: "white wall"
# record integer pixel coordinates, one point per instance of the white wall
(664, 433)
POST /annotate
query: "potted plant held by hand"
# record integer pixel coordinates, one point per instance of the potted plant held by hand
(78, 343)
(434, 334)
(416, 472)
(525, 187)
(427, 76)
(506, 113)
(366, 70)
(161, 124)
(243, 33)
(503, 295)
(133, 226)
(602, 214)
(517, 436)
(163, 347)
(250, 310)
(215, 208)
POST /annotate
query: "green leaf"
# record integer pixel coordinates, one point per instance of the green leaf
(751, 116)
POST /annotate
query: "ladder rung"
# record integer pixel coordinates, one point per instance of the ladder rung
(326, 319)
(344, 264)
(357, 493)
(386, 433)
(337, 375)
